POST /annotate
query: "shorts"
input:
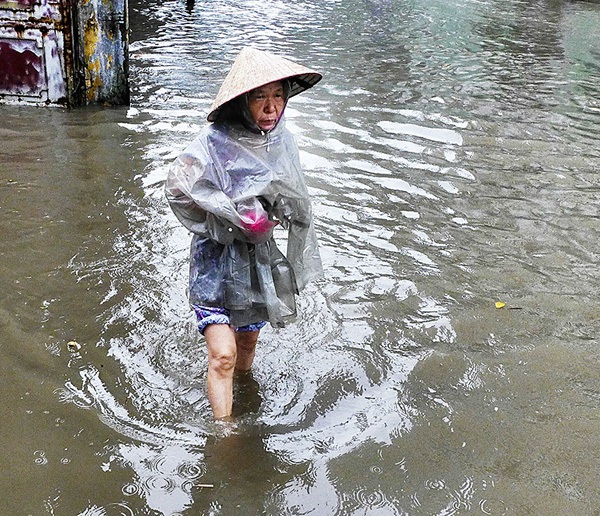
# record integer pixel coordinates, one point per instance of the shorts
(215, 315)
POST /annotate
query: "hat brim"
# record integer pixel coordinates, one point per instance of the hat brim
(254, 68)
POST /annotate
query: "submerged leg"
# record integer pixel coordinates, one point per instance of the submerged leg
(246, 396)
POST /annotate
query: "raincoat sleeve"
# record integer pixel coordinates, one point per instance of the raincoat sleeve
(195, 191)
(198, 203)
(302, 246)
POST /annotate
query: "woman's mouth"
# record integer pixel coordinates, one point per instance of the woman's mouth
(267, 124)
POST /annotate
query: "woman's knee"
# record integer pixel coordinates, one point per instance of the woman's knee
(222, 360)
(222, 348)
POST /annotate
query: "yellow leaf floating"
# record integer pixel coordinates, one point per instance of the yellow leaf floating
(500, 304)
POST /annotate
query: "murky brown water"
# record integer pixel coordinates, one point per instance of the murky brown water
(452, 154)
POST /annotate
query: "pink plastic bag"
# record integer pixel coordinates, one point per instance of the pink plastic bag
(254, 218)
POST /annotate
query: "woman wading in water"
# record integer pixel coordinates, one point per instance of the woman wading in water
(233, 184)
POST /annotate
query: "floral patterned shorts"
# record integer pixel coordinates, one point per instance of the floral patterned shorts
(215, 315)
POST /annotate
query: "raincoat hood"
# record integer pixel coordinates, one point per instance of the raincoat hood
(238, 110)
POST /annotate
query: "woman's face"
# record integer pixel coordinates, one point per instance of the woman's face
(266, 104)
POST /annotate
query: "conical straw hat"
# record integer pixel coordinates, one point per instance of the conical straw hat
(253, 68)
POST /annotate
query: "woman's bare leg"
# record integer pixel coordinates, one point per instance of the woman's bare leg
(227, 351)
(246, 346)
(222, 356)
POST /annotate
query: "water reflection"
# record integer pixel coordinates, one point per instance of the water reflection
(164, 477)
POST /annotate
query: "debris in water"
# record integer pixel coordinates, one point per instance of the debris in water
(73, 346)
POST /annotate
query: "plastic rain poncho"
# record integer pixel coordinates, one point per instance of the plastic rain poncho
(231, 187)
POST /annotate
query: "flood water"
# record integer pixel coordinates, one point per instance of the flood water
(452, 155)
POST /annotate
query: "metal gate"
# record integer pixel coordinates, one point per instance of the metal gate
(64, 52)
(33, 34)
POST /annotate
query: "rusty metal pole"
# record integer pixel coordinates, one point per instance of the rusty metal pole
(103, 47)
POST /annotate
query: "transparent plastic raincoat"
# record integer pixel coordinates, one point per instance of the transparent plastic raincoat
(231, 187)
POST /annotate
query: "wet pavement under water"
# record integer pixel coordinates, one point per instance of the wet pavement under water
(452, 156)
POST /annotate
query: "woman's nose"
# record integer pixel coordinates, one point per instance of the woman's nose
(269, 106)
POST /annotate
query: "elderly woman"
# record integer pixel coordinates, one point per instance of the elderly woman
(233, 184)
